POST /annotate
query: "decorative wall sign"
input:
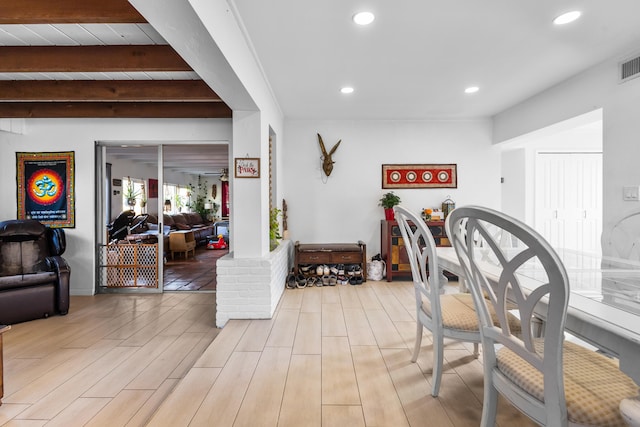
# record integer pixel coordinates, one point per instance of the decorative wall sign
(46, 189)
(419, 176)
(247, 167)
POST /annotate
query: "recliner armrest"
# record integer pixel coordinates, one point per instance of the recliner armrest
(57, 240)
(61, 267)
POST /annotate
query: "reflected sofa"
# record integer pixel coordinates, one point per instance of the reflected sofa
(146, 228)
(191, 221)
(146, 232)
(34, 278)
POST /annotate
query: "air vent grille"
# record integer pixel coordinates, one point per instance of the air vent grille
(630, 69)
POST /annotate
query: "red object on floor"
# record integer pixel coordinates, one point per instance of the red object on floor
(220, 244)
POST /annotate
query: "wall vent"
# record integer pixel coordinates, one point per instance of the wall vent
(630, 69)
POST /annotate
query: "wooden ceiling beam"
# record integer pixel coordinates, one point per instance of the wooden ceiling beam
(30, 59)
(68, 12)
(106, 90)
(114, 110)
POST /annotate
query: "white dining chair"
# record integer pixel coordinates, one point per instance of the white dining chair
(445, 315)
(621, 236)
(621, 240)
(552, 381)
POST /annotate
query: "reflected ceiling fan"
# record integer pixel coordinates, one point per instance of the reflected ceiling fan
(223, 174)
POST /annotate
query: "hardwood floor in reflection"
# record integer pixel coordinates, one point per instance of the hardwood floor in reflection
(194, 273)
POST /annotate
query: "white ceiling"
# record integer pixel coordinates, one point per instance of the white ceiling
(413, 62)
(86, 35)
(418, 56)
(78, 34)
(196, 159)
(193, 159)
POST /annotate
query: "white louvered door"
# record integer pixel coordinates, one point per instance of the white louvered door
(568, 200)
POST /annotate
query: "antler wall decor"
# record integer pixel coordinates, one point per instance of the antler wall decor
(327, 162)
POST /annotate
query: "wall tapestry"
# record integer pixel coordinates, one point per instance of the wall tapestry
(153, 188)
(46, 188)
(419, 176)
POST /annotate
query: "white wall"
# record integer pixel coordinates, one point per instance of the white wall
(122, 168)
(79, 135)
(344, 207)
(596, 88)
(514, 173)
(579, 134)
(210, 37)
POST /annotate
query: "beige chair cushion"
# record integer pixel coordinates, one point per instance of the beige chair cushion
(458, 312)
(593, 384)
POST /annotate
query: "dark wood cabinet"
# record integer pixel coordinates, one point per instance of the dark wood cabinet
(392, 246)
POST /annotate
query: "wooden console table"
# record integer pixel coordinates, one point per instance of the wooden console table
(3, 328)
(332, 253)
(392, 246)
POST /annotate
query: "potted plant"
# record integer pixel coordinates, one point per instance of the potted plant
(130, 193)
(200, 194)
(178, 202)
(388, 201)
(274, 228)
(143, 197)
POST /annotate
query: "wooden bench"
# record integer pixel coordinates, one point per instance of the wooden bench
(331, 253)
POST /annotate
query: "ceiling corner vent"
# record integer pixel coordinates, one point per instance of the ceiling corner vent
(630, 69)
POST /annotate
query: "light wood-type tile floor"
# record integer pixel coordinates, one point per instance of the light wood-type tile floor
(330, 356)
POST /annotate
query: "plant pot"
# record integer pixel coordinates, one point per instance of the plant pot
(388, 214)
(131, 202)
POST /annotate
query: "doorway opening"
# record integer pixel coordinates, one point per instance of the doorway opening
(552, 180)
(167, 196)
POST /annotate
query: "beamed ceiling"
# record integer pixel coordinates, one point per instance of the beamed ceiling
(93, 58)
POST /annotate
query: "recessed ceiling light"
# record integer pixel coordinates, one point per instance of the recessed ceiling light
(346, 89)
(472, 89)
(363, 18)
(565, 18)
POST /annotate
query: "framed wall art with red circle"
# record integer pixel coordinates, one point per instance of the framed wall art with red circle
(420, 176)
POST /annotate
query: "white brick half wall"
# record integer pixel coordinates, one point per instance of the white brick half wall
(250, 288)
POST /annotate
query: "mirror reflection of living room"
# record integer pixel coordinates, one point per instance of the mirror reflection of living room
(177, 227)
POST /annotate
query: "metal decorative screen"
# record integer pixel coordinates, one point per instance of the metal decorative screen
(129, 265)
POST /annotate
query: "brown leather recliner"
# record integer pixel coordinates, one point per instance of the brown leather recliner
(34, 278)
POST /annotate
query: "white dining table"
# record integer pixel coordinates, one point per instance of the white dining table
(604, 304)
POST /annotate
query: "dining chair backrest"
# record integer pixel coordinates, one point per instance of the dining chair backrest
(496, 274)
(621, 236)
(445, 315)
(421, 250)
